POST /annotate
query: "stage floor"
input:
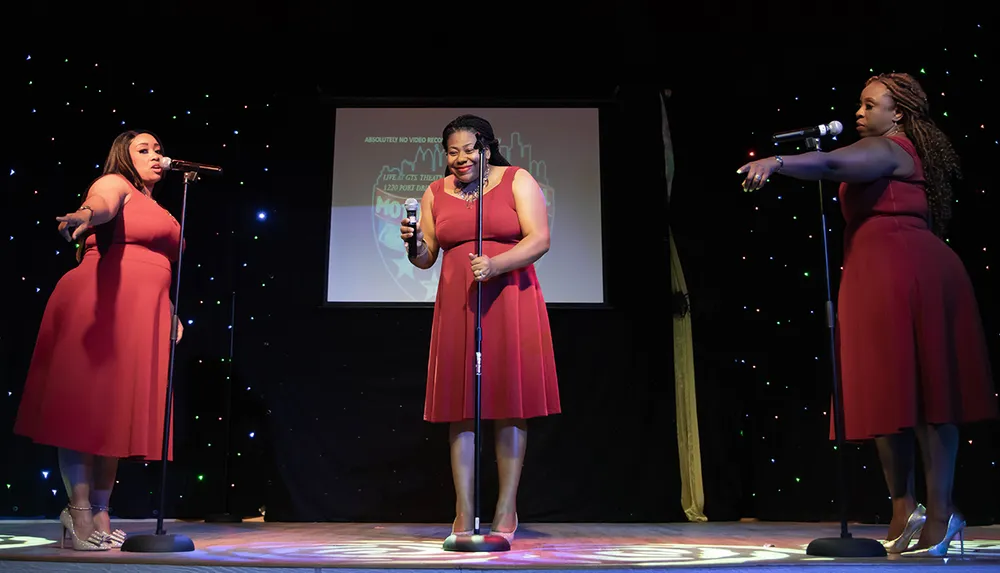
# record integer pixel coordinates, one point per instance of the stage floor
(273, 547)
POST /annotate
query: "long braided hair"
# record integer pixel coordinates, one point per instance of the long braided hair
(474, 123)
(939, 159)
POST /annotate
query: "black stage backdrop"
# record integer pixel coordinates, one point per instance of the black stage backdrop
(325, 419)
(304, 412)
(754, 263)
(326, 412)
(344, 388)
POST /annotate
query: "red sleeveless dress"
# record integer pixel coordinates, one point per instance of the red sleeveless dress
(910, 338)
(518, 364)
(98, 376)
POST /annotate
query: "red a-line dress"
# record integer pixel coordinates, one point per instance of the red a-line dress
(98, 376)
(910, 338)
(518, 368)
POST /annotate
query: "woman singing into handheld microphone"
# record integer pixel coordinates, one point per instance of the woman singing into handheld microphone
(519, 375)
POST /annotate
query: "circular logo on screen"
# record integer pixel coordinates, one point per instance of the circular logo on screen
(410, 176)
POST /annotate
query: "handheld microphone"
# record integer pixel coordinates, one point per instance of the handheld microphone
(411, 216)
(180, 165)
(832, 128)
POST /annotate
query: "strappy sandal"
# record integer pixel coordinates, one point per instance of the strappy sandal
(116, 537)
(97, 541)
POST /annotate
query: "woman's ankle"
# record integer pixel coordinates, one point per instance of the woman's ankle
(904, 506)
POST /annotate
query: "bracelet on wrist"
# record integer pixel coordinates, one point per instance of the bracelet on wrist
(781, 163)
(87, 208)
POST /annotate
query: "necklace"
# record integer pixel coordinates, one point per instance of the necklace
(470, 195)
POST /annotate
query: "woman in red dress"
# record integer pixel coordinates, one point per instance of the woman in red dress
(96, 387)
(518, 369)
(911, 348)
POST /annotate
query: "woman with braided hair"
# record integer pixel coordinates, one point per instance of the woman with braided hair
(519, 370)
(910, 342)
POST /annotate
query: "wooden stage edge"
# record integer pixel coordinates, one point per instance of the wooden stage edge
(255, 546)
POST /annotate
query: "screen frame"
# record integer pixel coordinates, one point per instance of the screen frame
(332, 104)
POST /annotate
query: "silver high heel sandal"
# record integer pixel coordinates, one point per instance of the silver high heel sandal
(95, 542)
(116, 537)
(914, 524)
(956, 524)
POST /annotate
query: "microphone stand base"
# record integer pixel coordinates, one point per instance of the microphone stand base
(158, 543)
(846, 547)
(476, 543)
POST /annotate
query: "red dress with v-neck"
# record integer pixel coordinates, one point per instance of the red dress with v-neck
(518, 363)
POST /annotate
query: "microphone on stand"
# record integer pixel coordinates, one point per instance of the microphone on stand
(411, 216)
(480, 144)
(832, 128)
(181, 165)
(846, 545)
(476, 541)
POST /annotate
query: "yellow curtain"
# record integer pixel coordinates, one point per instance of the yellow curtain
(688, 441)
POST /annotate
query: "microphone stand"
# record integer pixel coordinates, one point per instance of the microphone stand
(161, 542)
(846, 545)
(478, 542)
